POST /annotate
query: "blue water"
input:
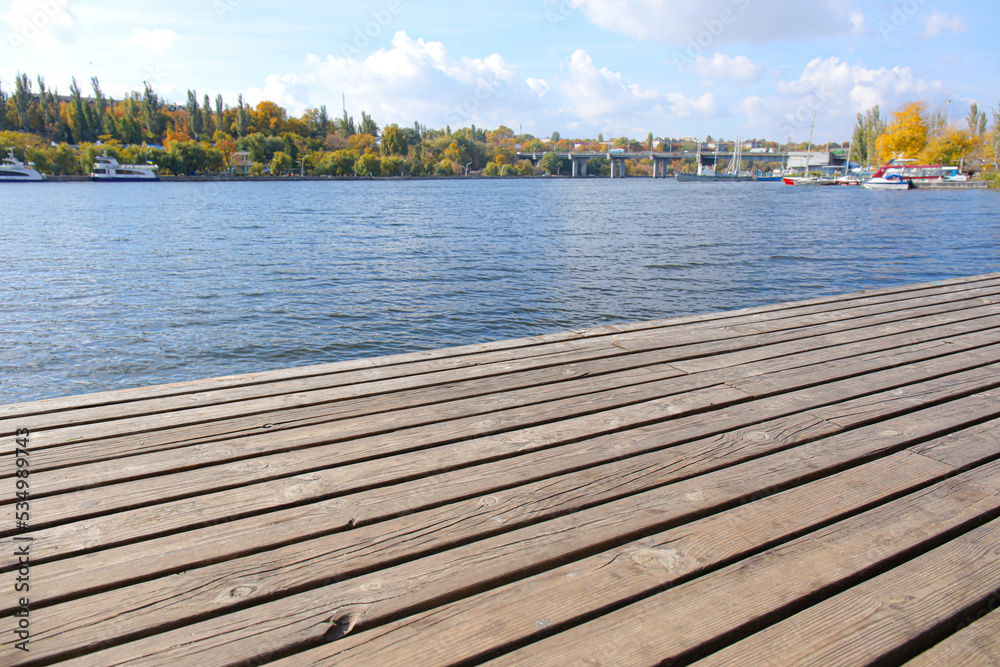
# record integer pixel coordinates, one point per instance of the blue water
(122, 285)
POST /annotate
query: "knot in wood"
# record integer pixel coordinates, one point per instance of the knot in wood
(340, 626)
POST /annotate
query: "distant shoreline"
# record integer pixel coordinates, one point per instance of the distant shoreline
(226, 178)
(76, 178)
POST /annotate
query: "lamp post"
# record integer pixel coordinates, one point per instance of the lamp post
(467, 168)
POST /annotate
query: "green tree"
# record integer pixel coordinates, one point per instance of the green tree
(552, 163)
(100, 107)
(289, 146)
(368, 165)
(281, 163)
(456, 153)
(189, 157)
(194, 114)
(393, 141)
(79, 123)
(444, 168)
(977, 121)
(153, 116)
(206, 116)
(22, 100)
(242, 118)
(341, 163)
(392, 165)
(346, 126)
(368, 125)
(3, 109)
(64, 161)
(220, 114)
(867, 130)
(994, 139)
(324, 121)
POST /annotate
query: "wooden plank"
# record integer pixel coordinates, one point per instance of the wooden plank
(96, 451)
(485, 501)
(738, 435)
(482, 622)
(713, 608)
(978, 643)
(856, 319)
(317, 461)
(907, 292)
(975, 319)
(221, 403)
(304, 617)
(474, 627)
(795, 308)
(876, 620)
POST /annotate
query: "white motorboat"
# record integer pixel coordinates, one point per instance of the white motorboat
(809, 180)
(887, 183)
(13, 170)
(108, 169)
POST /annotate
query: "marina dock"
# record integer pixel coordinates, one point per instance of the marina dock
(816, 481)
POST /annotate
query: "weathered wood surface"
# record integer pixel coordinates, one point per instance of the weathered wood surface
(815, 482)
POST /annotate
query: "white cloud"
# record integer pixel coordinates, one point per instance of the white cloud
(685, 107)
(738, 69)
(413, 79)
(30, 21)
(938, 22)
(596, 92)
(835, 92)
(157, 39)
(706, 23)
(540, 86)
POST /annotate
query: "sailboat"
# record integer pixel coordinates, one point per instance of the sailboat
(806, 179)
(731, 174)
(847, 178)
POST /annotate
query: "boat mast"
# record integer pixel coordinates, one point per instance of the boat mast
(810, 148)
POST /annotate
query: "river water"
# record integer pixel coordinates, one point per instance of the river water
(106, 286)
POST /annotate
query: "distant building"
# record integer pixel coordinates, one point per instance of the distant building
(834, 158)
(241, 162)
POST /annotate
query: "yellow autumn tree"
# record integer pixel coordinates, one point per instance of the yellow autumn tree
(907, 134)
(948, 146)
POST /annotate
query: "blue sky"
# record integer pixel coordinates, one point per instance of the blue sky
(730, 68)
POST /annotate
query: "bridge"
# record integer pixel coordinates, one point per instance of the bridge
(661, 159)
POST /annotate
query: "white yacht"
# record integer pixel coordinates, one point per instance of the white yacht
(13, 170)
(108, 169)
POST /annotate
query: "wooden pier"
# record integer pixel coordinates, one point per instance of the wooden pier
(806, 482)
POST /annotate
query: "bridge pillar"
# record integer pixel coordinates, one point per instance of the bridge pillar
(579, 166)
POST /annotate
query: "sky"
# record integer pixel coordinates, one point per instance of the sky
(676, 68)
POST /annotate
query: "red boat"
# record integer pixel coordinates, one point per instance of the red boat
(899, 169)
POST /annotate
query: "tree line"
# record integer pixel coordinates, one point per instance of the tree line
(917, 132)
(63, 133)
